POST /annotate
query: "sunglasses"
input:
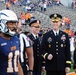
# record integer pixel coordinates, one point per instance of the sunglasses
(36, 26)
(55, 21)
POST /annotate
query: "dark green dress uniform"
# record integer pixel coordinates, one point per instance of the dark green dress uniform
(37, 54)
(59, 47)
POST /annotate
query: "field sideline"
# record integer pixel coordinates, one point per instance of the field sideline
(72, 73)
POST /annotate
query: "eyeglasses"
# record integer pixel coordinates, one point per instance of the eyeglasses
(55, 21)
(36, 26)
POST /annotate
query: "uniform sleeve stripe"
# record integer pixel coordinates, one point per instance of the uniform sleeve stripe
(45, 55)
(68, 62)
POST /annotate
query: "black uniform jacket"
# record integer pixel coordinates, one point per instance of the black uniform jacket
(74, 58)
(37, 53)
(59, 47)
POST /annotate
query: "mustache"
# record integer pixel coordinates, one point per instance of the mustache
(14, 29)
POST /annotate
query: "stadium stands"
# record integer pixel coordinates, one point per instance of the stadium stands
(44, 16)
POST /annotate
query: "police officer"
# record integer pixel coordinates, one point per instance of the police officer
(56, 48)
(34, 29)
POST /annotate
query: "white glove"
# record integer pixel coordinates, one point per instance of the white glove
(50, 56)
(67, 69)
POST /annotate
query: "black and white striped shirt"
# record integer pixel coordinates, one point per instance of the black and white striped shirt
(25, 42)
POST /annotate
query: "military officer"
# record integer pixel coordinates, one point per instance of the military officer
(56, 48)
(34, 29)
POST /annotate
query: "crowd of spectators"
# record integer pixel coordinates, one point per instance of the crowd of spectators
(74, 4)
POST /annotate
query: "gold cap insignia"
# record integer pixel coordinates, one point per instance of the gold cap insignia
(37, 21)
(55, 15)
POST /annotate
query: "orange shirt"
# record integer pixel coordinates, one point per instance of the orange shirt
(8, 4)
(27, 16)
(67, 31)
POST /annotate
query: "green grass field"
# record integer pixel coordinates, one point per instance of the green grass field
(72, 70)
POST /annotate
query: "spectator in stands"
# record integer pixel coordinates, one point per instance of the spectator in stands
(8, 4)
(28, 1)
(67, 21)
(27, 17)
(32, 6)
(58, 2)
(67, 30)
(45, 6)
(41, 6)
(22, 17)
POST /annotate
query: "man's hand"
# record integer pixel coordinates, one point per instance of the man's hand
(67, 69)
(50, 56)
(43, 70)
(75, 70)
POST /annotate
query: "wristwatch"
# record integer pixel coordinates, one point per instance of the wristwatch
(30, 72)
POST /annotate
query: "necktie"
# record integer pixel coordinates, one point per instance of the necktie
(36, 37)
(56, 34)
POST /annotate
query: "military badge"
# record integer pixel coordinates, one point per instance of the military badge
(55, 15)
(38, 21)
(49, 39)
(63, 38)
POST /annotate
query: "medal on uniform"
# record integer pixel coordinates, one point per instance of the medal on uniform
(63, 38)
(64, 45)
(61, 45)
(49, 45)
